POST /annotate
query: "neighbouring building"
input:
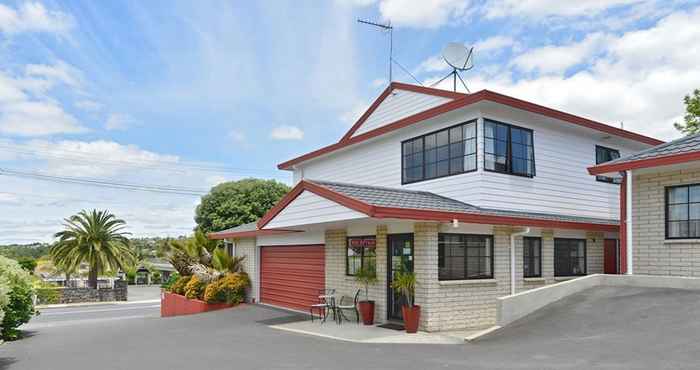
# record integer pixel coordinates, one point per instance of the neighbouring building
(660, 208)
(481, 195)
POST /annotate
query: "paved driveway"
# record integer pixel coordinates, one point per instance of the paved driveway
(604, 328)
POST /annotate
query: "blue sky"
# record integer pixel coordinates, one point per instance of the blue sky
(167, 93)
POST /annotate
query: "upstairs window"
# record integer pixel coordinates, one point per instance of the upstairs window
(508, 149)
(683, 212)
(602, 155)
(450, 151)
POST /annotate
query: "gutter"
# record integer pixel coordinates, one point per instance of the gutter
(512, 257)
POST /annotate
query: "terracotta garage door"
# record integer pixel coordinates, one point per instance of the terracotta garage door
(291, 276)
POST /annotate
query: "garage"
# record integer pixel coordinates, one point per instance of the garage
(291, 276)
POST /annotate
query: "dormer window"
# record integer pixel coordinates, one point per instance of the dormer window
(450, 151)
(508, 149)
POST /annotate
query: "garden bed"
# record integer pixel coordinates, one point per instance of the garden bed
(172, 304)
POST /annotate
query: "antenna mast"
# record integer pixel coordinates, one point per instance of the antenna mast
(385, 27)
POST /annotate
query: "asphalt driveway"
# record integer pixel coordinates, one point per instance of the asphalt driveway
(603, 328)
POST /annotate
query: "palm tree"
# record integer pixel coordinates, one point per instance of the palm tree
(95, 237)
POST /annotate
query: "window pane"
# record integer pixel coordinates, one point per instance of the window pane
(515, 135)
(443, 153)
(501, 147)
(693, 229)
(456, 150)
(677, 229)
(457, 165)
(431, 156)
(470, 131)
(443, 168)
(489, 146)
(456, 134)
(407, 147)
(694, 211)
(489, 129)
(442, 138)
(430, 141)
(430, 171)
(470, 146)
(489, 162)
(678, 212)
(470, 162)
(678, 195)
(502, 132)
(695, 193)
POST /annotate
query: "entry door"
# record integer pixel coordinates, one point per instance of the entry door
(610, 257)
(400, 259)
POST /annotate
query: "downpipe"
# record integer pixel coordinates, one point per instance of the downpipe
(512, 257)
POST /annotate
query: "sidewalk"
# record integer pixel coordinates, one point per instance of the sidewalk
(84, 304)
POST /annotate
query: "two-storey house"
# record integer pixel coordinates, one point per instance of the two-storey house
(481, 195)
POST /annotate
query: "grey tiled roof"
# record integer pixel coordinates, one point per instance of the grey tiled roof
(245, 227)
(678, 146)
(411, 199)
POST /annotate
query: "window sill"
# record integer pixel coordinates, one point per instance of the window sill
(468, 282)
(534, 280)
(565, 278)
(682, 241)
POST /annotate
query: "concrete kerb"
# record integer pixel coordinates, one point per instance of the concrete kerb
(86, 304)
(514, 307)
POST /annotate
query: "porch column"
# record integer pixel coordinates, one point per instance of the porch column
(548, 256)
(594, 252)
(628, 217)
(425, 266)
(378, 291)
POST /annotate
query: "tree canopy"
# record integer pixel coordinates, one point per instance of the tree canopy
(237, 202)
(691, 124)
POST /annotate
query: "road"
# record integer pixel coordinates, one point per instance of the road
(597, 329)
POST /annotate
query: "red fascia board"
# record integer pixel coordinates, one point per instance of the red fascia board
(428, 215)
(248, 234)
(428, 90)
(466, 100)
(645, 163)
(368, 112)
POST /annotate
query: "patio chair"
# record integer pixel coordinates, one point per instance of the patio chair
(326, 302)
(348, 304)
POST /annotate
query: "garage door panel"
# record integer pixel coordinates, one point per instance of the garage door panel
(291, 276)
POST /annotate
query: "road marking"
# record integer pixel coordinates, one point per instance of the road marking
(49, 313)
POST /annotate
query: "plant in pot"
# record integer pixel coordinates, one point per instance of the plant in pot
(405, 283)
(366, 276)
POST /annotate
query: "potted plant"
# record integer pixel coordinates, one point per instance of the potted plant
(366, 276)
(405, 283)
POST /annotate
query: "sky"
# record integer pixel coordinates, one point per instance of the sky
(179, 96)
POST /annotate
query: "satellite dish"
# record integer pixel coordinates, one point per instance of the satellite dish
(458, 56)
(460, 59)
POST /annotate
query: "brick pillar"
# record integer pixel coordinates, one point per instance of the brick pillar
(501, 255)
(380, 288)
(548, 256)
(335, 259)
(425, 266)
(594, 252)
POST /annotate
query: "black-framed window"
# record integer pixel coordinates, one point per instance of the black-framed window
(508, 149)
(683, 212)
(465, 256)
(569, 257)
(361, 252)
(532, 257)
(602, 155)
(450, 151)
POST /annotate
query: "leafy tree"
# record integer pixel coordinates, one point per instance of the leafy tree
(691, 125)
(16, 304)
(17, 251)
(238, 202)
(28, 264)
(95, 237)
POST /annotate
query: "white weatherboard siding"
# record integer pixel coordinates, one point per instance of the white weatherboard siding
(309, 208)
(563, 152)
(303, 238)
(399, 104)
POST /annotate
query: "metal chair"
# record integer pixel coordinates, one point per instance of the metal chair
(326, 302)
(345, 305)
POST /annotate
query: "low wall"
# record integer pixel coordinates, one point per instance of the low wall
(84, 295)
(517, 306)
(177, 305)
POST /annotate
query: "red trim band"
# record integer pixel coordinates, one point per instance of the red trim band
(248, 234)
(645, 163)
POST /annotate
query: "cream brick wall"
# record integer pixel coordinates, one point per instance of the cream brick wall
(652, 255)
(246, 247)
(336, 241)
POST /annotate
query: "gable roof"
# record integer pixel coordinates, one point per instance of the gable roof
(246, 231)
(383, 202)
(459, 101)
(677, 151)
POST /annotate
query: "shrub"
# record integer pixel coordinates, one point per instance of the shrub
(229, 289)
(48, 295)
(167, 285)
(179, 286)
(17, 305)
(195, 288)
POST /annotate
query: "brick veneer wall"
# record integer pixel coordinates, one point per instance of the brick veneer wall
(246, 247)
(336, 241)
(652, 254)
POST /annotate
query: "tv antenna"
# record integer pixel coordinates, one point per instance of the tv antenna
(460, 59)
(388, 28)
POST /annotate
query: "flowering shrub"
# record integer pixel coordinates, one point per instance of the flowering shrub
(228, 289)
(167, 285)
(195, 288)
(16, 297)
(179, 286)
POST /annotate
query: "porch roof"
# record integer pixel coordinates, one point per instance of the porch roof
(245, 231)
(384, 202)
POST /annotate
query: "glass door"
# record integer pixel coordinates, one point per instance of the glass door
(399, 259)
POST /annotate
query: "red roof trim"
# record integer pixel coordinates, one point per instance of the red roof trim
(418, 214)
(644, 163)
(463, 101)
(400, 86)
(248, 234)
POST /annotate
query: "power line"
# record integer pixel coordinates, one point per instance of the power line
(105, 183)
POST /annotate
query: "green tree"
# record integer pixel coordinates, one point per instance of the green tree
(95, 237)
(691, 124)
(238, 202)
(28, 264)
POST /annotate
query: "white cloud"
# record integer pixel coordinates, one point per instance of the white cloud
(59, 72)
(88, 105)
(37, 118)
(547, 8)
(557, 59)
(494, 43)
(434, 63)
(33, 17)
(638, 77)
(118, 122)
(287, 133)
(423, 13)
